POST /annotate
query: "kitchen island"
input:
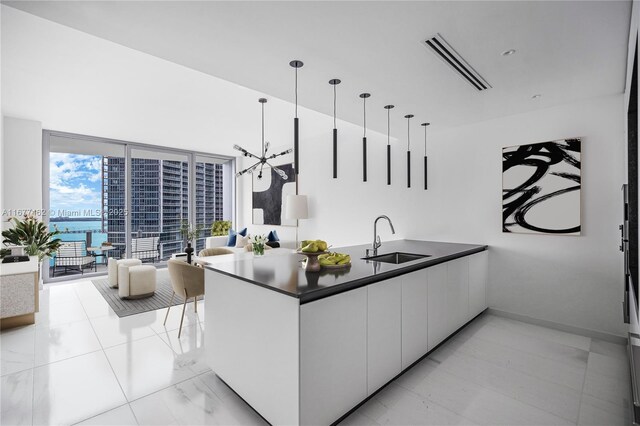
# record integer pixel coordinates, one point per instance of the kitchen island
(307, 347)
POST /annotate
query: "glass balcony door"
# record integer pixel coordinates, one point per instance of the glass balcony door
(159, 203)
(78, 169)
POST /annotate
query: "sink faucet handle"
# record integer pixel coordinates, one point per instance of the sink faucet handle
(378, 242)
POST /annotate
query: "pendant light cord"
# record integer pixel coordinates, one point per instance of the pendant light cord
(263, 130)
(388, 124)
(425, 140)
(334, 106)
(296, 92)
(364, 121)
(408, 134)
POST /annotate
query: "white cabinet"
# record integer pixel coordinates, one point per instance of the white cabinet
(437, 312)
(414, 317)
(384, 318)
(478, 275)
(457, 300)
(333, 356)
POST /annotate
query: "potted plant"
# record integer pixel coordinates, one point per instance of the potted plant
(190, 233)
(220, 228)
(34, 235)
(257, 244)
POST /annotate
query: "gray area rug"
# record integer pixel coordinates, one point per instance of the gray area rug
(124, 308)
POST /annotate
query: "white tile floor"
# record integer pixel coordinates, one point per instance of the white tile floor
(82, 364)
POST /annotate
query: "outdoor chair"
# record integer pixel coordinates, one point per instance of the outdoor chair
(72, 255)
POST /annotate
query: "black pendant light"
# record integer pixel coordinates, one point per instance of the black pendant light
(364, 97)
(425, 153)
(296, 156)
(334, 82)
(408, 117)
(388, 108)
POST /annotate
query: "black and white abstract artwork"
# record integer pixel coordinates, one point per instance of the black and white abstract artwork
(270, 195)
(541, 188)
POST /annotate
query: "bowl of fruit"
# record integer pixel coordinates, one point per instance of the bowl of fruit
(334, 260)
(312, 249)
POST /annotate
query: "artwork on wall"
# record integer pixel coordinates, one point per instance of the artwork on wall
(270, 194)
(541, 188)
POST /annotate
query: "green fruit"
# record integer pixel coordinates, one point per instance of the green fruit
(346, 259)
(327, 262)
(322, 245)
(305, 243)
(312, 247)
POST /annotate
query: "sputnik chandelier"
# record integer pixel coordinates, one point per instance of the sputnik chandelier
(263, 159)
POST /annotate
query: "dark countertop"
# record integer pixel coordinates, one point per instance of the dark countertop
(280, 270)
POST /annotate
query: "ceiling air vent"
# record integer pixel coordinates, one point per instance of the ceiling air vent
(445, 52)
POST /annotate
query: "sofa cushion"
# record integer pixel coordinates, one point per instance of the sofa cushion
(231, 242)
(273, 236)
(241, 241)
(273, 244)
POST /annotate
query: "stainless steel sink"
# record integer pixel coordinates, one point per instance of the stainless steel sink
(396, 257)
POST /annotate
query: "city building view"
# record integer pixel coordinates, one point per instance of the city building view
(159, 205)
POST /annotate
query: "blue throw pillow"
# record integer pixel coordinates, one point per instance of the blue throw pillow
(273, 236)
(231, 241)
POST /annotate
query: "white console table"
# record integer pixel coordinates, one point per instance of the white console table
(18, 293)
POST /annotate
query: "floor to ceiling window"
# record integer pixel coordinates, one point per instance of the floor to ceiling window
(118, 199)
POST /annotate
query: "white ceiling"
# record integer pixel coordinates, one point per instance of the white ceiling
(566, 51)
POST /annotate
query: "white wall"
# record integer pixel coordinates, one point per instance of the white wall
(22, 166)
(71, 81)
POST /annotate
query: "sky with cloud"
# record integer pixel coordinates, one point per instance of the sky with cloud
(75, 182)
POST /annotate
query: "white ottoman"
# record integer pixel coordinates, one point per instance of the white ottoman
(136, 281)
(112, 269)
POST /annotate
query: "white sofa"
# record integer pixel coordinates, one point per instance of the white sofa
(221, 241)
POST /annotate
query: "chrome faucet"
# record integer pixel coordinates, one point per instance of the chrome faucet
(376, 238)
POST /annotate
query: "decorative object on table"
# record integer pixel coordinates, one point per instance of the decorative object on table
(425, 153)
(334, 82)
(297, 208)
(313, 246)
(263, 159)
(189, 250)
(220, 227)
(388, 108)
(334, 260)
(408, 117)
(190, 232)
(231, 240)
(257, 244)
(312, 249)
(34, 235)
(269, 197)
(364, 97)
(541, 188)
(296, 127)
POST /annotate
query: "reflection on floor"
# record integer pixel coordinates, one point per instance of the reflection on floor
(81, 363)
